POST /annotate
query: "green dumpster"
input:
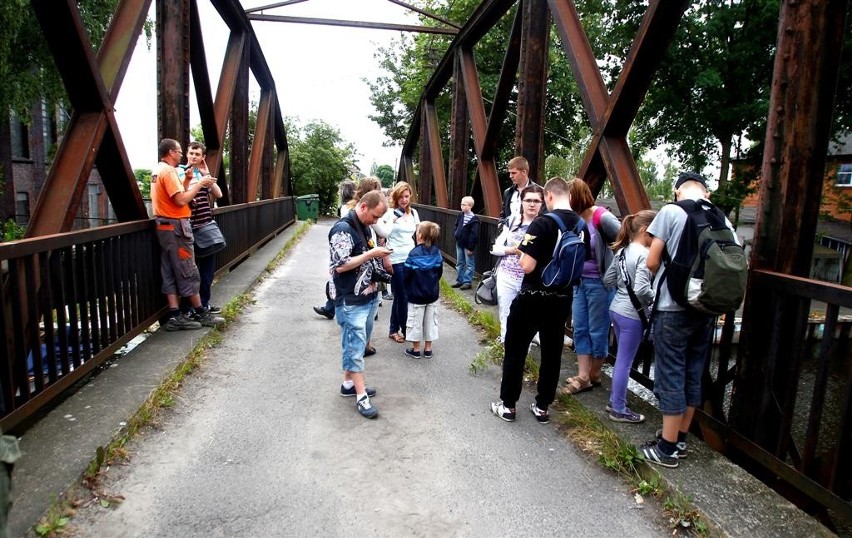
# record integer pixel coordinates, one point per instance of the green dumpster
(307, 207)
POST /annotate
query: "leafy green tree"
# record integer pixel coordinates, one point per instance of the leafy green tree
(319, 159)
(386, 173)
(143, 179)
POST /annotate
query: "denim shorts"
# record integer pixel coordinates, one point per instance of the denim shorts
(353, 339)
(590, 312)
(681, 346)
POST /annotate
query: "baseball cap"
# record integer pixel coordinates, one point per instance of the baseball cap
(690, 176)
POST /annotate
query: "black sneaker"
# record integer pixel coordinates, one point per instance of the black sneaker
(456, 285)
(207, 319)
(506, 413)
(427, 354)
(351, 391)
(323, 312)
(367, 409)
(682, 448)
(652, 454)
(181, 323)
(213, 309)
(542, 416)
(465, 286)
(413, 354)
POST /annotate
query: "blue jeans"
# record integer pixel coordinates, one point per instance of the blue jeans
(681, 346)
(372, 317)
(353, 338)
(206, 269)
(464, 266)
(399, 308)
(591, 318)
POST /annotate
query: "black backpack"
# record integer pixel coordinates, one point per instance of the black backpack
(709, 270)
(569, 254)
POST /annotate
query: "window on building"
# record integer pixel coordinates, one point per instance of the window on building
(844, 175)
(94, 205)
(22, 208)
(20, 138)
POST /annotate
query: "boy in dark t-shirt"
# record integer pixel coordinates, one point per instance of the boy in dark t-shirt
(537, 309)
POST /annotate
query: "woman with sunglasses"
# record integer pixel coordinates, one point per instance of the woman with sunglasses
(509, 272)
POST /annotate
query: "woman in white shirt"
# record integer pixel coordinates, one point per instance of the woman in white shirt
(399, 223)
(509, 272)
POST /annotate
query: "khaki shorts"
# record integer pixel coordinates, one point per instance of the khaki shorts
(177, 257)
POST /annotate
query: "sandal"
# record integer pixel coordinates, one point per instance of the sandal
(576, 385)
(396, 337)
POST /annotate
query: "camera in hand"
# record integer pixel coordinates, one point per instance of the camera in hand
(380, 275)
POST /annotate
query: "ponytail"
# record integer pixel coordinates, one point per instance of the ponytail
(624, 233)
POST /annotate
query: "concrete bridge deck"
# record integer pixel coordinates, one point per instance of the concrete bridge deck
(260, 444)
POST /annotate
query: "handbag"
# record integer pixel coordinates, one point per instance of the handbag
(486, 290)
(208, 240)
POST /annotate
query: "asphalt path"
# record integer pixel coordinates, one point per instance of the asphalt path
(261, 444)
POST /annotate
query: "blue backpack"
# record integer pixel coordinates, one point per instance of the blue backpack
(566, 266)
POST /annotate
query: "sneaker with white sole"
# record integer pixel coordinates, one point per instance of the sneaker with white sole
(628, 416)
(181, 323)
(541, 415)
(351, 391)
(213, 309)
(682, 448)
(367, 409)
(652, 454)
(506, 413)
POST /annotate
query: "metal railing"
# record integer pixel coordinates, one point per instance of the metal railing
(71, 300)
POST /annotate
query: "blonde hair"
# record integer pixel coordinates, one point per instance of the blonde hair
(398, 191)
(632, 226)
(368, 184)
(519, 163)
(428, 232)
(468, 199)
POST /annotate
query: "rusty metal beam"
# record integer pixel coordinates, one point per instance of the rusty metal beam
(173, 70)
(508, 74)
(201, 80)
(355, 24)
(93, 125)
(224, 100)
(436, 156)
(532, 85)
(239, 132)
(493, 198)
(279, 187)
(273, 6)
(258, 147)
(424, 185)
(459, 136)
(426, 13)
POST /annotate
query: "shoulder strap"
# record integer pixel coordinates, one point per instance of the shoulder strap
(625, 276)
(559, 222)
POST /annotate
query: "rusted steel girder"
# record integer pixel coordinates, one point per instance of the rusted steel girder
(258, 146)
(459, 129)
(355, 24)
(532, 85)
(201, 80)
(508, 73)
(173, 70)
(487, 169)
(92, 136)
(436, 156)
(804, 80)
(239, 133)
(612, 115)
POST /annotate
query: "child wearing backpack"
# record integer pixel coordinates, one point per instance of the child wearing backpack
(423, 269)
(681, 334)
(630, 277)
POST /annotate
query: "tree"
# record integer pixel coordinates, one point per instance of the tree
(143, 179)
(386, 174)
(319, 160)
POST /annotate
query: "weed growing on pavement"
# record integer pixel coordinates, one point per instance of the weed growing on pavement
(492, 354)
(56, 519)
(682, 515)
(585, 429)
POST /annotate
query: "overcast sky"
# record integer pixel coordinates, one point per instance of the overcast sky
(317, 72)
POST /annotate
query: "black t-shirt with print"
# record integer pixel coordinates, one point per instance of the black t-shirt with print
(540, 241)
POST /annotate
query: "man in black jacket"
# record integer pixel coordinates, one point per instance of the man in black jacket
(519, 170)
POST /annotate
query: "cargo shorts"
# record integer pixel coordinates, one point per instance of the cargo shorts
(177, 257)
